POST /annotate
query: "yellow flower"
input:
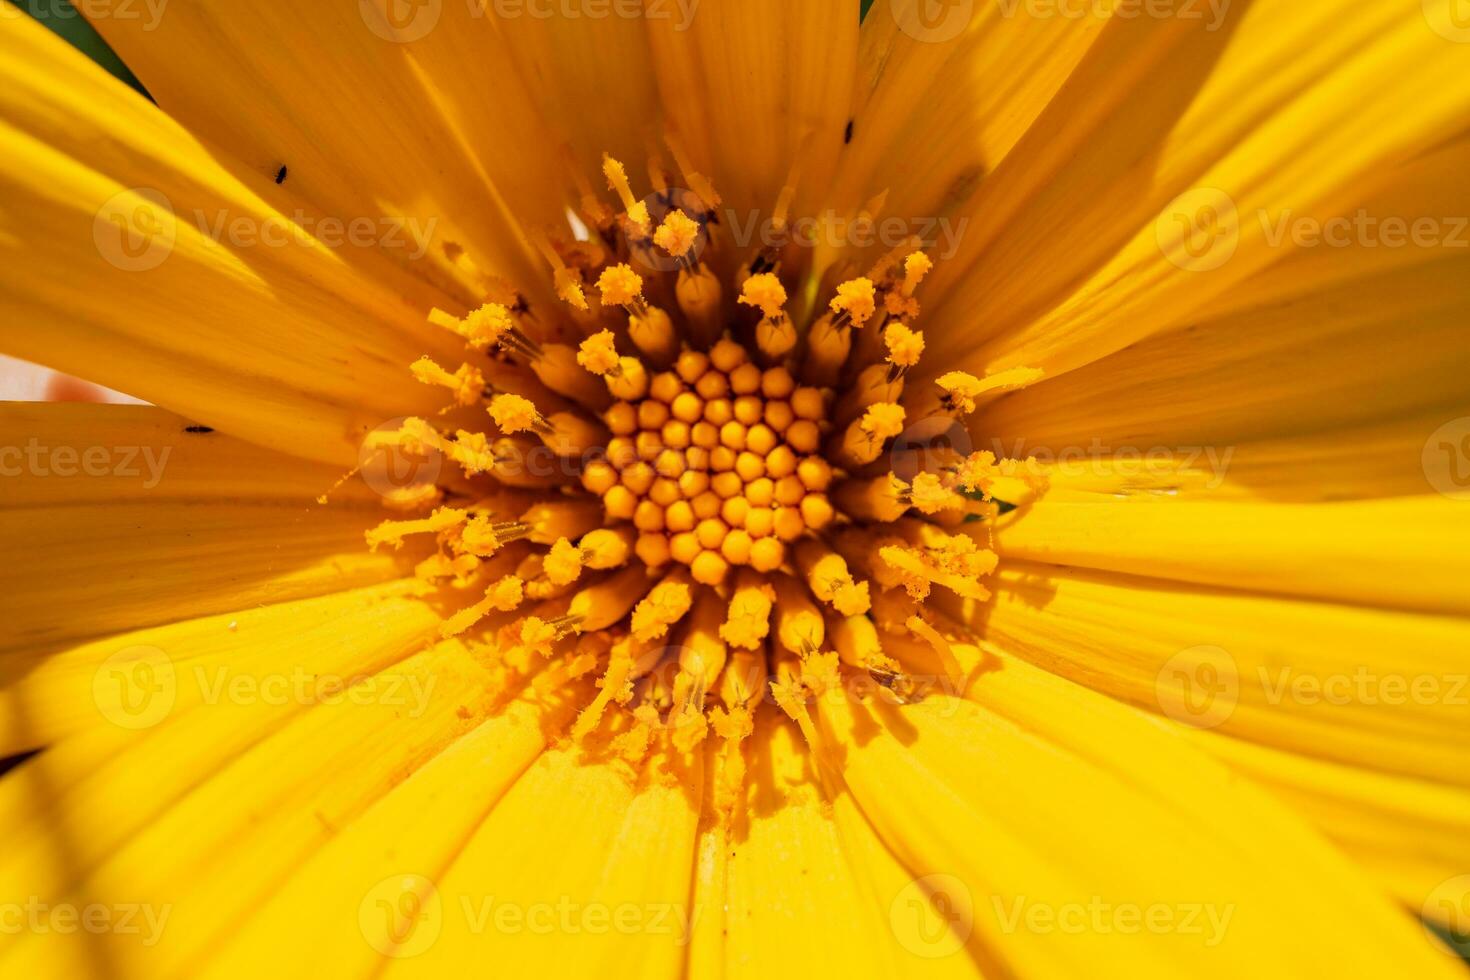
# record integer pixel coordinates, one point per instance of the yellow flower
(1123, 633)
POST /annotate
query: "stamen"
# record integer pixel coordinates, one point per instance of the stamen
(799, 623)
(623, 498)
(467, 383)
(617, 180)
(393, 532)
(504, 596)
(664, 606)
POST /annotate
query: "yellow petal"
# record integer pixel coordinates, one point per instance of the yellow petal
(1078, 836)
(340, 912)
(134, 681)
(1413, 835)
(1380, 689)
(756, 89)
(1317, 354)
(374, 111)
(231, 841)
(1285, 106)
(1406, 553)
(81, 798)
(941, 100)
(811, 891)
(96, 569)
(580, 864)
(86, 454)
(122, 261)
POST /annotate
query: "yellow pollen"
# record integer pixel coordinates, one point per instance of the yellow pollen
(883, 421)
(598, 354)
(915, 268)
(661, 608)
(467, 383)
(483, 328)
(620, 285)
(930, 496)
(905, 346)
(677, 234)
(513, 414)
(764, 291)
(563, 563)
(856, 298)
(617, 180)
(537, 633)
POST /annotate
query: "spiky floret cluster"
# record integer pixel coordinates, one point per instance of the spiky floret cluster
(683, 488)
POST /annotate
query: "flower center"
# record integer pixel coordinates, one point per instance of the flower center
(718, 464)
(722, 517)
